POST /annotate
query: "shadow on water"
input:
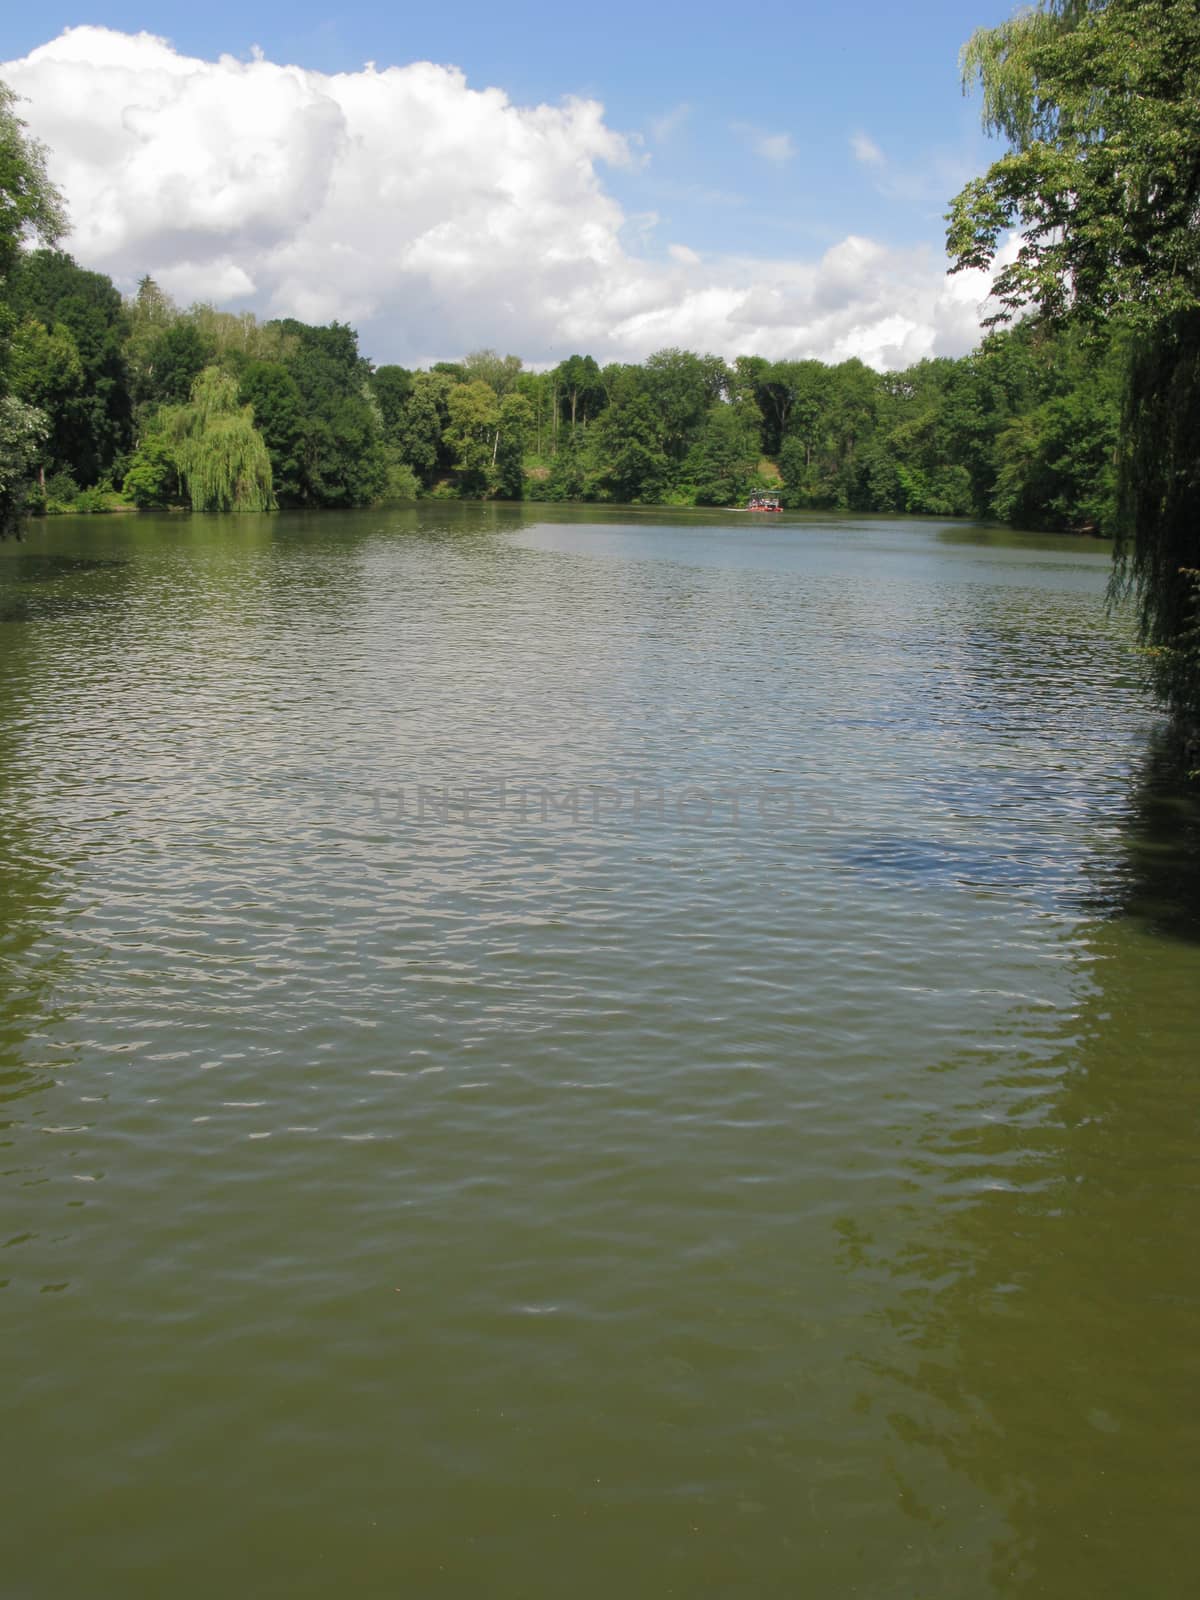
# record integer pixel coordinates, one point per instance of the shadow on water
(1044, 1309)
(28, 905)
(30, 901)
(36, 586)
(29, 566)
(998, 536)
(1154, 880)
(1159, 878)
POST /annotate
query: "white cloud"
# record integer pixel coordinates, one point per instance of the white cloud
(662, 128)
(866, 150)
(774, 147)
(925, 182)
(434, 216)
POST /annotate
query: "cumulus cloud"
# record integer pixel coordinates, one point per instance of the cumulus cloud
(435, 216)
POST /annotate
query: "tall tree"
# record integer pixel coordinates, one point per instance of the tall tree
(48, 286)
(579, 390)
(148, 315)
(501, 372)
(1100, 101)
(274, 395)
(635, 465)
(538, 389)
(391, 387)
(220, 454)
(791, 395)
(30, 208)
(175, 357)
(46, 371)
(473, 434)
(723, 463)
(22, 431)
(422, 423)
(514, 430)
(683, 386)
(343, 462)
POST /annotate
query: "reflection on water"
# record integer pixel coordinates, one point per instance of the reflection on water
(539, 1198)
(1046, 1321)
(1159, 878)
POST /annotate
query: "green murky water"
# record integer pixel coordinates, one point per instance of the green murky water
(573, 1054)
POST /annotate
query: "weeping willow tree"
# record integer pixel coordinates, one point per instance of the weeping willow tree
(220, 455)
(1100, 101)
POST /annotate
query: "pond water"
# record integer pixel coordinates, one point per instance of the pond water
(554, 1052)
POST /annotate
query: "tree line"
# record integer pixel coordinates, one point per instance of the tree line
(162, 407)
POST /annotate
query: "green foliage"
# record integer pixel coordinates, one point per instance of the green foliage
(634, 464)
(500, 373)
(177, 357)
(59, 492)
(1024, 429)
(792, 396)
(236, 340)
(46, 372)
(683, 387)
(516, 423)
(944, 492)
(324, 360)
(220, 454)
(1100, 100)
(1175, 667)
(342, 462)
(44, 366)
(391, 387)
(723, 463)
(279, 415)
(152, 477)
(22, 430)
(579, 390)
(1160, 498)
(94, 500)
(402, 481)
(473, 433)
(30, 205)
(422, 423)
(801, 485)
(91, 424)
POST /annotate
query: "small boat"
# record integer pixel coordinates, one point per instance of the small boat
(764, 502)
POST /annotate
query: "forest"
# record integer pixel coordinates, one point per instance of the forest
(155, 406)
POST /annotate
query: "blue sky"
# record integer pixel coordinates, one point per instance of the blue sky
(766, 130)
